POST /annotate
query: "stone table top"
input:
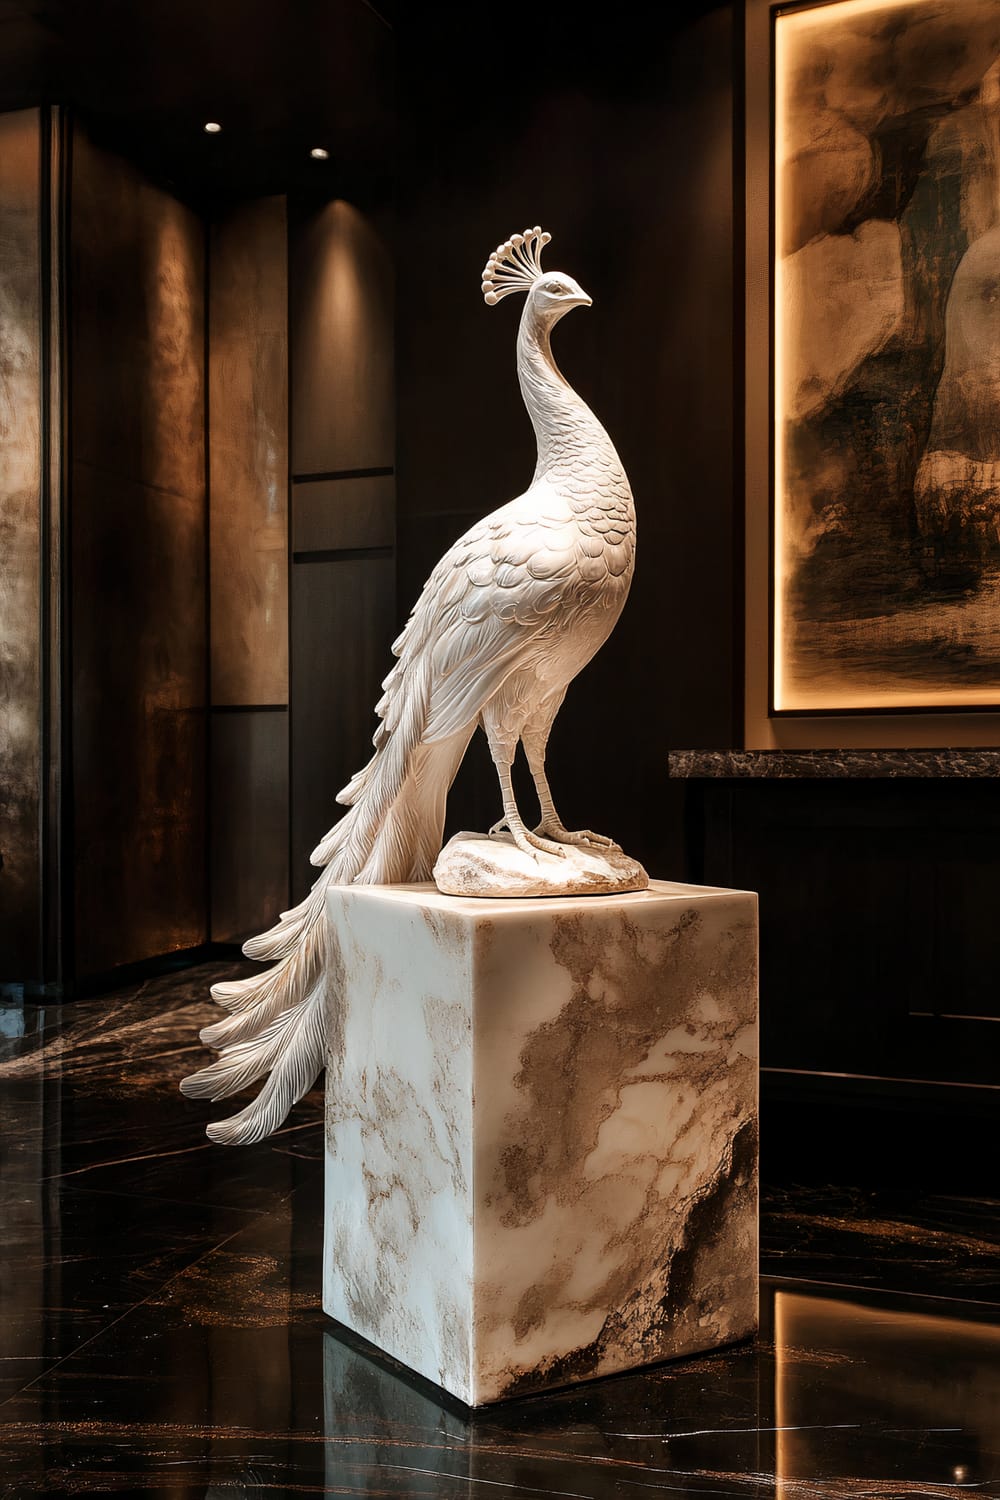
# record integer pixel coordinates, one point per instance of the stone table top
(832, 764)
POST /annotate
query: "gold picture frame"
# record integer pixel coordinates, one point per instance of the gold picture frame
(877, 459)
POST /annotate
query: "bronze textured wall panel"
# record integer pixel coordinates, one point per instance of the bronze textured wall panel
(248, 528)
(343, 397)
(138, 543)
(248, 796)
(248, 426)
(343, 614)
(20, 544)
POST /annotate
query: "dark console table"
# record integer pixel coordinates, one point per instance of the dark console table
(879, 880)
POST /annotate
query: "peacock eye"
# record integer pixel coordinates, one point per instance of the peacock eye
(556, 288)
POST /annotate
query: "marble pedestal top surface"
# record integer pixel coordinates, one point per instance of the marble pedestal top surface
(541, 1160)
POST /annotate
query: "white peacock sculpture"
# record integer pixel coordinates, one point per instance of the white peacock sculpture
(507, 619)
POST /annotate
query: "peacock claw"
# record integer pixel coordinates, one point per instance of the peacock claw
(581, 837)
(527, 841)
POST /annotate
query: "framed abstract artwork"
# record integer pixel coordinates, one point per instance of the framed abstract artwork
(884, 267)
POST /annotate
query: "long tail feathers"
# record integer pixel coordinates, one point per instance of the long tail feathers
(277, 1019)
(276, 1025)
(293, 1048)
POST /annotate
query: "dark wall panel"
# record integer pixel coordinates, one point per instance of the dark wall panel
(622, 148)
(248, 797)
(343, 398)
(20, 545)
(337, 513)
(248, 427)
(343, 607)
(879, 942)
(343, 616)
(138, 544)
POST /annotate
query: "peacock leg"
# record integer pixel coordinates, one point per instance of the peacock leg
(535, 740)
(502, 750)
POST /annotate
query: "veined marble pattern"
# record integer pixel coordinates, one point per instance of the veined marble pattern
(541, 1131)
(860, 1237)
(398, 1241)
(161, 1333)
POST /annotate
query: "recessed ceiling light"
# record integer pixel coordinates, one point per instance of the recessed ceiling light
(212, 127)
(319, 153)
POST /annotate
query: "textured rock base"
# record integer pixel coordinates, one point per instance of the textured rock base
(541, 1154)
(481, 864)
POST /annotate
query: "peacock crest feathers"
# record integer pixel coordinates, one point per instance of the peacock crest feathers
(515, 264)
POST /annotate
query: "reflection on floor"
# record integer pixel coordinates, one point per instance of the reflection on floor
(160, 1329)
(929, 1245)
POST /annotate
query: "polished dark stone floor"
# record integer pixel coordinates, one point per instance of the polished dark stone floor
(161, 1334)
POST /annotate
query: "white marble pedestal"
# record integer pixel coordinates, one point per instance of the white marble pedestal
(541, 1141)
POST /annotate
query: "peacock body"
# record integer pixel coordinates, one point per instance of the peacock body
(507, 619)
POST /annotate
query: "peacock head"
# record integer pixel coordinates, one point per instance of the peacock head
(555, 293)
(516, 266)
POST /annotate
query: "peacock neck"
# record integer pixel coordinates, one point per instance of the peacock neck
(566, 430)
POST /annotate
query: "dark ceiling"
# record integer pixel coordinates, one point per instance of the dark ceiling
(279, 77)
(283, 76)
